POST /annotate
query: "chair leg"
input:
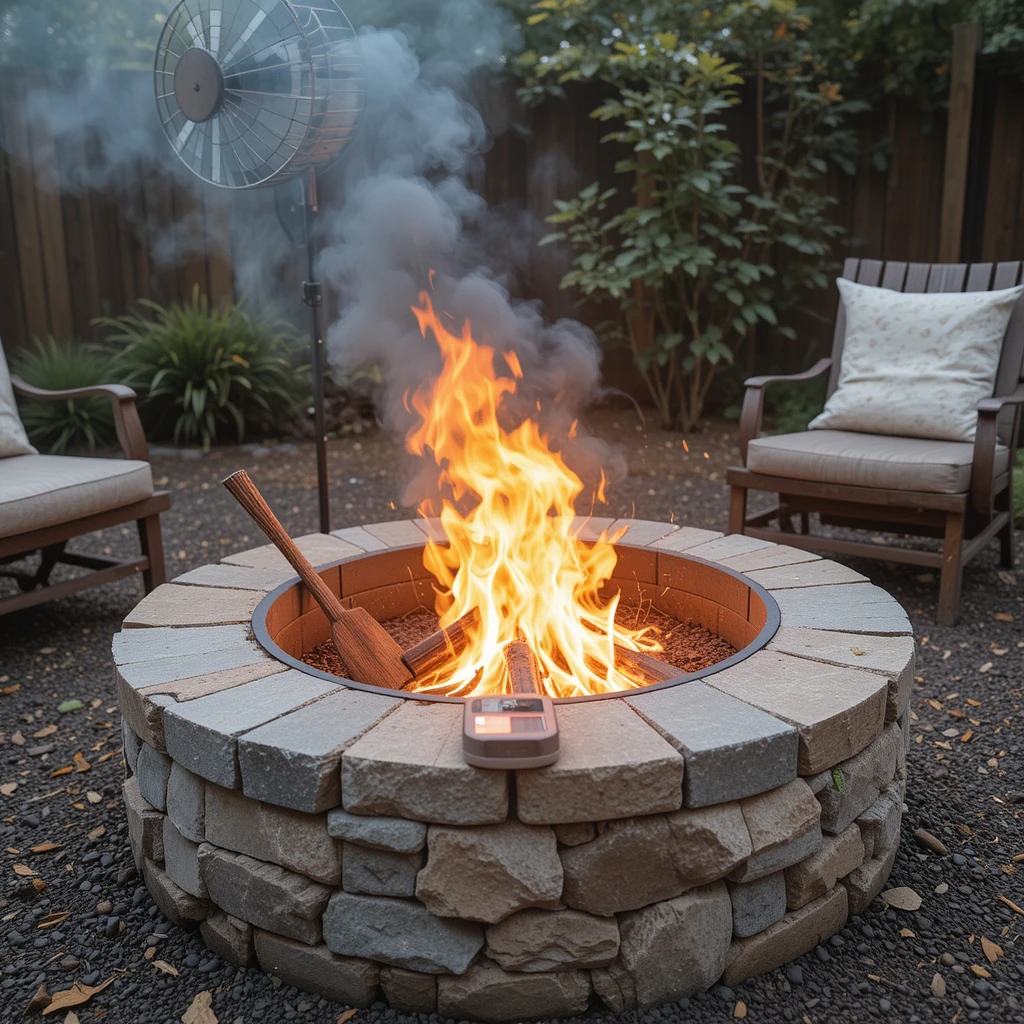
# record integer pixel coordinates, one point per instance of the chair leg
(952, 571)
(737, 509)
(805, 523)
(153, 548)
(1006, 544)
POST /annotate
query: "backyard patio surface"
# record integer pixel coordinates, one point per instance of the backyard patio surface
(61, 773)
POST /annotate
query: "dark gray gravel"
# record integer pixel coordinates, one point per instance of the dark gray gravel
(968, 794)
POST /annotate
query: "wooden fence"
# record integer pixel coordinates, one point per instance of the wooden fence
(67, 256)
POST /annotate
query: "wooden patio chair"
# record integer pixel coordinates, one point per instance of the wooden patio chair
(973, 507)
(47, 500)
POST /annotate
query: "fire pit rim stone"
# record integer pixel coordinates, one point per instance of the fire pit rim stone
(773, 619)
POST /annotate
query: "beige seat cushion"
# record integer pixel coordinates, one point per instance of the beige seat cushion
(869, 460)
(40, 490)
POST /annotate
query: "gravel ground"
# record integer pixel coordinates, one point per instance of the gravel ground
(65, 841)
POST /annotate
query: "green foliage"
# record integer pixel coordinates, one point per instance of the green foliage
(697, 260)
(203, 370)
(1018, 486)
(837, 779)
(790, 407)
(55, 425)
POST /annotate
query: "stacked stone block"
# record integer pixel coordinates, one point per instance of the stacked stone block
(687, 836)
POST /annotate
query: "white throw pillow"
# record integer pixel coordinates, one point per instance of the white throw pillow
(917, 364)
(13, 439)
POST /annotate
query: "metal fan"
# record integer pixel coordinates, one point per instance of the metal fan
(253, 93)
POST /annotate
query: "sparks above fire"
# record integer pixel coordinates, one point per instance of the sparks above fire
(513, 571)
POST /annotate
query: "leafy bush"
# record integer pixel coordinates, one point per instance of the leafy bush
(201, 370)
(697, 261)
(1018, 486)
(56, 424)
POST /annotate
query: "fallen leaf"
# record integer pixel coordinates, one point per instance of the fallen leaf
(81, 765)
(980, 971)
(46, 847)
(8, 788)
(61, 771)
(858, 652)
(24, 870)
(992, 951)
(967, 736)
(347, 1015)
(902, 898)
(199, 1011)
(47, 730)
(38, 884)
(906, 933)
(150, 953)
(55, 918)
(71, 1018)
(93, 797)
(17, 738)
(97, 831)
(935, 704)
(40, 998)
(164, 966)
(741, 1009)
(1003, 617)
(938, 985)
(1013, 906)
(74, 996)
(69, 705)
(8, 690)
(47, 650)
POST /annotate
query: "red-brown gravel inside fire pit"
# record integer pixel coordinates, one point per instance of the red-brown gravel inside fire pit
(687, 646)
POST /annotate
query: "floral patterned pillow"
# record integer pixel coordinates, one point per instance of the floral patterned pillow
(917, 364)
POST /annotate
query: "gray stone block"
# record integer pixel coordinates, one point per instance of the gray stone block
(409, 990)
(186, 803)
(642, 532)
(379, 872)
(545, 940)
(779, 857)
(236, 577)
(862, 778)
(845, 608)
(798, 932)
(135, 645)
(784, 829)
(401, 933)
(397, 834)
(316, 969)
(145, 825)
(262, 894)
(732, 750)
(202, 734)
(175, 904)
(319, 548)
(228, 937)
(132, 745)
(491, 871)
(575, 834)
(181, 861)
(410, 765)
(611, 764)
(142, 674)
(817, 874)
(670, 951)
(358, 537)
(487, 993)
(153, 769)
(880, 824)
(294, 840)
(867, 881)
(295, 760)
(757, 905)
(201, 606)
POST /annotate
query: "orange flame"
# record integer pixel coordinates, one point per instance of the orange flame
(512, 551)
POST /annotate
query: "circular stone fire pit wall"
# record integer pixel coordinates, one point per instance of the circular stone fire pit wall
(689, 834)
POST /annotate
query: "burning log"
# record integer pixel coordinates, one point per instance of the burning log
(523, 674)
(441, 647)
(370, 652)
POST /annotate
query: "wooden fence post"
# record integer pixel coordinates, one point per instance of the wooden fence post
(966, 44)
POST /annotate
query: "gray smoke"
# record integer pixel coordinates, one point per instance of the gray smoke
(409, 210)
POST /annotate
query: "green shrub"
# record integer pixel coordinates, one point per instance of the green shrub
(1018, 486)
(790, 407)
(58, 424)
(201, 370)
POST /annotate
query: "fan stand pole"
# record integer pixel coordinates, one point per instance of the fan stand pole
(312, 296)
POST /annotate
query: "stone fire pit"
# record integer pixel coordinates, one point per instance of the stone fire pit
(702, 830)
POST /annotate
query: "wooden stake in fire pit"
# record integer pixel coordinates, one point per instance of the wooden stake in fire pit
(370, 652)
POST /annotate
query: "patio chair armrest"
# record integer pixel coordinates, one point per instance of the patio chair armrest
(986, 438)
(130, 434)
(753, 400)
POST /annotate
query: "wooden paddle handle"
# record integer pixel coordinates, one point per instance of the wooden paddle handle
(248, 496)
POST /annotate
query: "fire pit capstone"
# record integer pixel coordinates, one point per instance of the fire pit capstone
(689, 834)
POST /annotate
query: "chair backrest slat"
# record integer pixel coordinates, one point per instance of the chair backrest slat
(979, 277)
(917, 277)
(945, 277)
(894, 275)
